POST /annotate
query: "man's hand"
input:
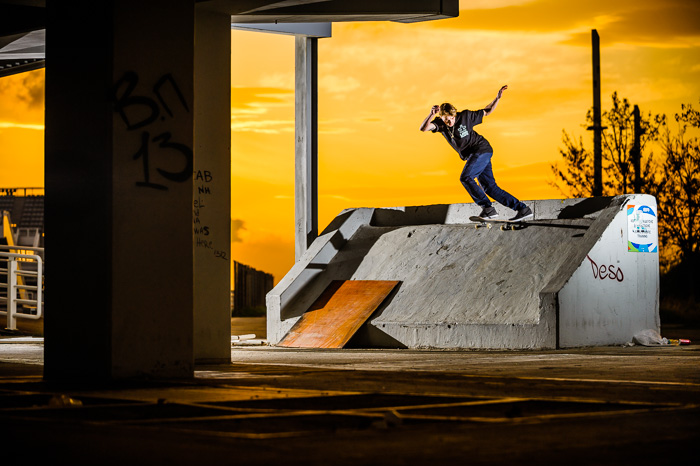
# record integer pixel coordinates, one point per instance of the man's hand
(427, 124)
(490, 107)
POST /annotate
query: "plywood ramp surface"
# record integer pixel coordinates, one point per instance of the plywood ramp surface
(338, 313)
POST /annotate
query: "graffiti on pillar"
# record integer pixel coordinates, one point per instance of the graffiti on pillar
(606, 271)
(203, 232)
(140, 112)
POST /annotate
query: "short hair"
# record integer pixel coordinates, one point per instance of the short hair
(448, 109)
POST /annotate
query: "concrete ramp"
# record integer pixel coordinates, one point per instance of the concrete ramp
(583, 272)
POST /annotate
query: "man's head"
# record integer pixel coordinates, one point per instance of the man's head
(447, 113)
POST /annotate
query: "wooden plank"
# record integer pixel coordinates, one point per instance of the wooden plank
(338, 313)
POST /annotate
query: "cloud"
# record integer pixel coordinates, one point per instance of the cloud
(336, 126)
(334, 130)
(27, 88)
(281, 80)
(263, 126)
(34, 85)
(12, 125)
(251, 108)
(431, 173)
(336, 197)
(517, 134)
(258, 100)
(648, 22)
(490, 4)
(237, 225)
(649, 27)
(338, 86)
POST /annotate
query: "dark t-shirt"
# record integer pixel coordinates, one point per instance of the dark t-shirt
(462, 136)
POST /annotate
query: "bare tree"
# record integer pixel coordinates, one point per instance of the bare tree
(674, 179)
(618, 143)
(678, 190)
(575, 177)
(577, 173)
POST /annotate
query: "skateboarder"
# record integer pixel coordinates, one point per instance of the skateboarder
(458, 129)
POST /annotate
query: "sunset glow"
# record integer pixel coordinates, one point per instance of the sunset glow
(377, 82)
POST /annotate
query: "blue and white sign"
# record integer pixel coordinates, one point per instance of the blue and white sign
(642, 229)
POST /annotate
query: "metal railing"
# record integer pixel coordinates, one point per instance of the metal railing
(25, 191)
(24, 283)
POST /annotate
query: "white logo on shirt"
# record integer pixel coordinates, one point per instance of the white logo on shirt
(463, 131)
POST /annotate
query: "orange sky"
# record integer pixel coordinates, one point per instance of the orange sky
(377, 82)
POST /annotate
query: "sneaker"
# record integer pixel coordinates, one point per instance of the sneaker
(523, 214)
(488, 212)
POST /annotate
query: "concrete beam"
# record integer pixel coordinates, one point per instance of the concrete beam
(330, 11)
(306, 144)
(318, 30)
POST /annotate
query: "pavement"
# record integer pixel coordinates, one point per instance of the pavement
(605, 405)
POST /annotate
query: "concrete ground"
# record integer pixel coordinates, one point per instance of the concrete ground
(249, 326)
(608, 405)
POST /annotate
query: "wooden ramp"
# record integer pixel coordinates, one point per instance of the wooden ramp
(338, 313)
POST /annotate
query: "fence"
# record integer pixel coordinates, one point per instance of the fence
(24, 191)
(250, 288)
(22, 274)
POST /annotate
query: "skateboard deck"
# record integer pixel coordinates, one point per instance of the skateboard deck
(519, 224)
(504, 224)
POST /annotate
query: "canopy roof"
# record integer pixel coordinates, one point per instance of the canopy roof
(23, 22)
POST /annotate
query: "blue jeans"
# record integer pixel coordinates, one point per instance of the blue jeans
(479, 166)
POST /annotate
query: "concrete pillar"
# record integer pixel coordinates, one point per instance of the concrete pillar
(119, 164)
(306, 143)
(212, 187)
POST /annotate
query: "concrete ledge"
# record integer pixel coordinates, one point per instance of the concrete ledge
(463, 287)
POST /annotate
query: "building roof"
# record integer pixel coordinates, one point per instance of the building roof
(23, 22)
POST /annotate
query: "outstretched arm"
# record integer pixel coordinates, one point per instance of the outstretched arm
(427, 125)
(488, 110)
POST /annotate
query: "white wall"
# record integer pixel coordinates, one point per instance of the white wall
(614, 293)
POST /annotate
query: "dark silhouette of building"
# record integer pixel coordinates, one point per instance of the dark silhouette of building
(250, 287)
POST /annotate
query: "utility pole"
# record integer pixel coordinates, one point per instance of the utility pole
(637, 150)
(597, 122)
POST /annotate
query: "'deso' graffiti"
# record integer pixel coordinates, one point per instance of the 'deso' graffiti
(140, 112)
(603, 272)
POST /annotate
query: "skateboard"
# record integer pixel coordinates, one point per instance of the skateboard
(504, 224)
